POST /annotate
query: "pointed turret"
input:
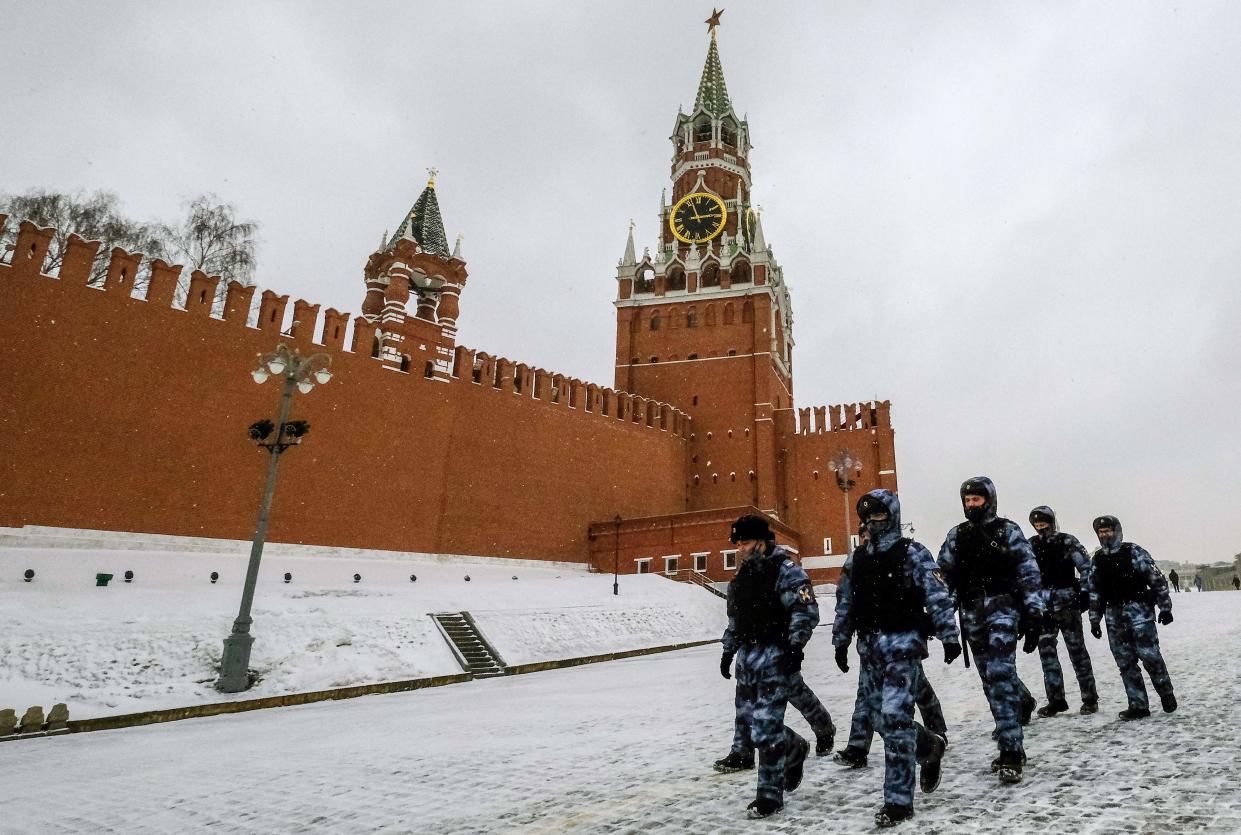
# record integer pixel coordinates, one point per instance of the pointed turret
(759, 244)
(629, 258)
(423, 223)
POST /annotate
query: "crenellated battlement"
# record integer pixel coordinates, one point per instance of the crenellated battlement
(842, 417)
(310, 328)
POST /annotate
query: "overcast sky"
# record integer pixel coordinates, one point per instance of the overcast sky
(1021, 222)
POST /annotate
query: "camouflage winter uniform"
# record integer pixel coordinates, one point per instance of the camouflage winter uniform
(1064, 566)
(990, 568)
(762, 670)
(888, 608)
(862, 732)
(800, 696)
(1125, 585)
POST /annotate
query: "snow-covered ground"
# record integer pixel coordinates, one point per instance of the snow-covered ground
(626, 746)
(155, 643)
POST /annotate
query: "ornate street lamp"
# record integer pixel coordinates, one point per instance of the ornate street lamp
(847, 469)
(299, 373)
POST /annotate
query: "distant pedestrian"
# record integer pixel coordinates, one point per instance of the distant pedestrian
(1198, 582)
(1175, 580)
(1236, 582)
(1125, 586)
(772, 615)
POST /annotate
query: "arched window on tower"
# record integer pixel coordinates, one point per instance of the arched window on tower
(747, 311)
(730, 314)
(644, 281)
(676, 279)
(691, 318)
(702, 129)
(728, 132)
(655, 321)
(710, 276)
(741, 273)
(375, 345)
(710, 317)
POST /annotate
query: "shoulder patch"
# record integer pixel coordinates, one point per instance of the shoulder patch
(939, 576)
(806, 594)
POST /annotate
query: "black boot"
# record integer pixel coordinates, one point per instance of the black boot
(1090, 705)
(1027, 709)
(892, 815)
(1052, 708)
(1011, 763)
(735, 761)
(764, 807)
(999, 761)
(1131, 713)
(794, 763)
(928, 778)
(824, 742)
(851, 757)
(1169, 702)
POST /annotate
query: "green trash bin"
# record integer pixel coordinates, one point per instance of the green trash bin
(102, 579)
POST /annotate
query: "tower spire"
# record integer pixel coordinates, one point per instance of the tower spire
(712, 92)
(423, 222)
(629, 259)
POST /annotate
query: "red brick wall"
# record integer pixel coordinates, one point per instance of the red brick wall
(126, 414)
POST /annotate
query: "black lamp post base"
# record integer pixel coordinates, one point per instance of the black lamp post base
(235, 665)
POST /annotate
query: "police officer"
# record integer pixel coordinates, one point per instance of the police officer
(988, 564)
(892, 597)
(1065, 569)
(862, 732)
(773, 613)
(741, 755)
(1125, 585)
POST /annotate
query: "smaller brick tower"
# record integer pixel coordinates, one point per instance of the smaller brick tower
(415, 264)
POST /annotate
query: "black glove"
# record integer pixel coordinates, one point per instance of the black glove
(726, 661)
(1031, 642)
(1165, 617)
(842, 658)
(952, 651)
(792, 660)
(1096, 630)
(1083, 601)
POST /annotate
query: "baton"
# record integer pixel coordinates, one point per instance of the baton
(965, 645)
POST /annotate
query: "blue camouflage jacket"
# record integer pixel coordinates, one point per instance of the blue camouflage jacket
(1012, 542)
(797, 595)
(1143, 566)
(926, 577)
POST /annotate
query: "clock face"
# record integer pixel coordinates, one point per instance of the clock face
(697, 217)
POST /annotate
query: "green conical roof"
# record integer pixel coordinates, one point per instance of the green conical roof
(424, 224)
(712, 93)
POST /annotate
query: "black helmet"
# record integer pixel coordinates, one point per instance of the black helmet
(750, 527)
(1043, 513)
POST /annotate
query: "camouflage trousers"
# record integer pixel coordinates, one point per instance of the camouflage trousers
(862, 731)
(762, 693)
(807, 704)
(1067, 620)
(889, 681)
(1132, 634)
(991, 630)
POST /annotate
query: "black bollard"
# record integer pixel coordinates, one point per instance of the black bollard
(413, 578)
(467, 578)
(129, 576)
(215, 575)
(29, 574)
(357, 578)
(288, 578)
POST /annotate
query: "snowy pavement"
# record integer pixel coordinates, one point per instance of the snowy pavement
(626, 747)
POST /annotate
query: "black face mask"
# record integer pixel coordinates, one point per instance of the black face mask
(977, 513)
(876, 528)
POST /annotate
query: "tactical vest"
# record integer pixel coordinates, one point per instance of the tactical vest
(1055, 561)
(985, 567)
(758, 613)
(1117, 580)
(885, 596)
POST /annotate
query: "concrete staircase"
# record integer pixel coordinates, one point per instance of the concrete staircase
(468, 644)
